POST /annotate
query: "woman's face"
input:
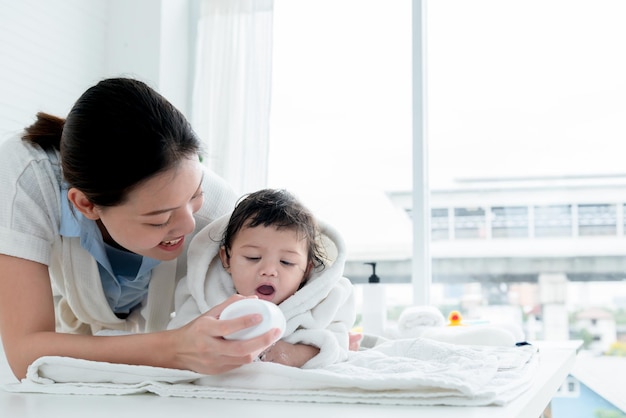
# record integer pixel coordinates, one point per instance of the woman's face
(267, 262)
(157, 215)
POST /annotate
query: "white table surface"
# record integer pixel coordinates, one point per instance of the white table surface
(556, 360)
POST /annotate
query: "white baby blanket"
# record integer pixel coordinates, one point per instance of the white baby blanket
(398, 372)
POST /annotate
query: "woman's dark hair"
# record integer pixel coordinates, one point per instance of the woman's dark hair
(118, 134)
(278, 208)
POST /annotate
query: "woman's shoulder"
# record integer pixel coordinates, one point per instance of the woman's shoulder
(29, 199)
(11, 144)
(28, 169)
(12, 140)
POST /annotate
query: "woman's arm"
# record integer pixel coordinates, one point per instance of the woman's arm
(27, 326)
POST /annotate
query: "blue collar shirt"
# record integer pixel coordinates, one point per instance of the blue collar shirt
(125, 276)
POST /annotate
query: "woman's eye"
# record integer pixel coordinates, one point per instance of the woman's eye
(163, 225)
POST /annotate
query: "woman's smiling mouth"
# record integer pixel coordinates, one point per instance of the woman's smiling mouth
(171, 243)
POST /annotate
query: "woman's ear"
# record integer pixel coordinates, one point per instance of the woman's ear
(224, 258)
(82, 204)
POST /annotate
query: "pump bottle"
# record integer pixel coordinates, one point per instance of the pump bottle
(374, 305)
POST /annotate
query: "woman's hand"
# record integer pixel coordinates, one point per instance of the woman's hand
(200, 345)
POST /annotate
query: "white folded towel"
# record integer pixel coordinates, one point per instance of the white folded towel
(413, 319)
(471, 335)
(399, 372)
(429, 322)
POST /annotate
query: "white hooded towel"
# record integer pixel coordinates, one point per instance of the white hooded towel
(319, 314)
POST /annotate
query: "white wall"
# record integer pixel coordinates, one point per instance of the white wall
(52, 50)
(153, 40)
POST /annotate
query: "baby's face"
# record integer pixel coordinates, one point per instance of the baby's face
(267, 262)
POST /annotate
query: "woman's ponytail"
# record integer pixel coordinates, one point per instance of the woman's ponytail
(45, 132)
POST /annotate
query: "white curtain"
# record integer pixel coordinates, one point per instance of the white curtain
(231, 92)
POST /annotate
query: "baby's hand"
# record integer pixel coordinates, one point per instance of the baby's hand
(354, 341)
(294, 355)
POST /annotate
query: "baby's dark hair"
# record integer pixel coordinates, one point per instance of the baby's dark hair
(278, 208)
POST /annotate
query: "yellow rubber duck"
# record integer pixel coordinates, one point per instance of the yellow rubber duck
(454, 319)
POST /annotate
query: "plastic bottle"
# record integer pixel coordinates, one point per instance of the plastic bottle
(374, 305)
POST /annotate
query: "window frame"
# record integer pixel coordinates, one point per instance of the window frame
(421, 265)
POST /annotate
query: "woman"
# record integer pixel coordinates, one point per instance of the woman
(95, 215)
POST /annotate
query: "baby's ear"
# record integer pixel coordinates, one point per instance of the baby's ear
(224, 259)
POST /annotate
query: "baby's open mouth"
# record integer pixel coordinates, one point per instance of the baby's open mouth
(266, 290)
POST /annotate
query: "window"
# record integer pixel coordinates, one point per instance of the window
(569, 389)
(525, 128)
(509, 222)
(341, 128)
(553, 221)
(469, 223)
(597, 219)
(440, 224)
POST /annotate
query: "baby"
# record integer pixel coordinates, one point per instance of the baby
(272, 247)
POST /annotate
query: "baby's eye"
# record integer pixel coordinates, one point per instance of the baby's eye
(286, 263)
(252, 258)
